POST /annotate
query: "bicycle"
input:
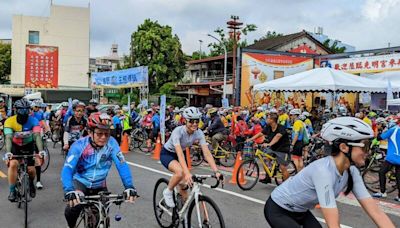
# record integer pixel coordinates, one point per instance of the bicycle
(224, 154)
(249, 171)
(139, 137)
(188, 213)
(315, 151)
(56, 129)
(22, 187)
(46, 159)
(95, 213)
(2, 142)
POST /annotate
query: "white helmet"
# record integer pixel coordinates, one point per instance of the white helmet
(381, 120)
(191, 113)
(273, 110)
(306, 114)
(327, 111)
(302, 117)
(295, 112)
(347, 128)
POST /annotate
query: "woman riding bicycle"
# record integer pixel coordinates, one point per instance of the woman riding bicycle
(323, 180)
(173, 156)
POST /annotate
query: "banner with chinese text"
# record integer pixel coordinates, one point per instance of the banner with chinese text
(132, 77)
(366, 64)
(41, 67)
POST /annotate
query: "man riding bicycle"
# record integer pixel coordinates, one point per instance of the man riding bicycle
(173, 156)
(75, 125)
(22, 131)
(88, 162)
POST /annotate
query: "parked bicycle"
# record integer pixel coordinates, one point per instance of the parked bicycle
(198, 210)
(224, 154)
(46, 159)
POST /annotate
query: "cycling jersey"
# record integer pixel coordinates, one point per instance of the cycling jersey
(309, 126)
(90, 166)
(298, 129)
(156, 121)
(320, 182)
(75, 128)
(393, 152)
(284, 120)
(180, 136)
(39, 115)
(22, 134)
(368, 121)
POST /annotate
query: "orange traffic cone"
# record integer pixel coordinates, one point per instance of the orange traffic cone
(236, 169)
(124, 144)
(188, 159)
(157, 150)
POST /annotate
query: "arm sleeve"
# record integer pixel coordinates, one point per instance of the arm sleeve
(121, 165)
(69, 168)
(388, 133)
(359, 189)
(322, 181)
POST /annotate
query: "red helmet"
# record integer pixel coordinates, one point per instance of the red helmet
(99, 120)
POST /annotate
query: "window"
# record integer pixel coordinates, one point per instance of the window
(33, 37)
(278, 74)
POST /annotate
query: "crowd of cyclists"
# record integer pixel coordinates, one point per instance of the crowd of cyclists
(84, 133)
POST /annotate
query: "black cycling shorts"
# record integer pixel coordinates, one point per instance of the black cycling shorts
(23, 150)
(278, 217)
(298, 149)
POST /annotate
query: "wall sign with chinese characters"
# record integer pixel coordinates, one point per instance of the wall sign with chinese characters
(367, 64)
(41, 67)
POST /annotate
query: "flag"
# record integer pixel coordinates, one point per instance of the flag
(389, 94)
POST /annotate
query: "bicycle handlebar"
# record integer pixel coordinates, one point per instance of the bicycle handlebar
(201, 178)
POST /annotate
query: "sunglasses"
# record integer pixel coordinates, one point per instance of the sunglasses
(102, 134)
(194, 121)
(365, 145)
(79, 110)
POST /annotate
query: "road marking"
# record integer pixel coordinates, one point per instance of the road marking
(3, 175)
(219, 189)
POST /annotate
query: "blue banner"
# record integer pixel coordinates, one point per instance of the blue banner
(121, 78)
(162, 117)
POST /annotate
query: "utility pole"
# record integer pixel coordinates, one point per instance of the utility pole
(201, 64)
(234, 26)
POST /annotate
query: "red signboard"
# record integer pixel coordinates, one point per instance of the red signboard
(41, 67)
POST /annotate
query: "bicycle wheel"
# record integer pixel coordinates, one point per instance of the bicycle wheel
(164, 218)
(291, 168)
(251, 172)
(371, 180)
(196, 155)
(210, 215)
(25, 183)
(1, 141)
(227, 158)
(20, 191)
(46, 160)
(138, 138)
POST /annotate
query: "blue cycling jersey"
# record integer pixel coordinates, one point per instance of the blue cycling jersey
(393, 152)
(39, 115)
(90, 166)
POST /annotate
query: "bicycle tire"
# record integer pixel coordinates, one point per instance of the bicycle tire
(278, 174)
(205, 199)
(46, 160)
(196, 155)
(19, 191)
(2, 142)
(26, 198)
(158, 188)
(229, 156)
(251, 171)
(138, 138)
(371, 181)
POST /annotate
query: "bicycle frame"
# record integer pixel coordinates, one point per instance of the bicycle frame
(261, 155)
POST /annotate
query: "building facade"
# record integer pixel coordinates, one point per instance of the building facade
(66, 28)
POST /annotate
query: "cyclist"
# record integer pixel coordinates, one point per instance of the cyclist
(173, 156)
(117, 125)
(323, 180)
(88, 163)
(297, 138)
(91, 108)
(21, 131)
(216, 129)
(126, 123)
(75, 125)
(392, 160)
(147, 124)
(278, 140)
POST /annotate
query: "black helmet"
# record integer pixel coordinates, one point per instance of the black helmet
(22, 104)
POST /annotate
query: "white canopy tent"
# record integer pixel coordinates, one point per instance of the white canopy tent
(324, 80)
(394, 102)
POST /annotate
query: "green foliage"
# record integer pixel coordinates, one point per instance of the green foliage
(334, 48)
(153, 45)
(196, 55)
(167, 88)
(217, 49)
(5, 63)
(176, 101)
(134, 97)
(269, 35)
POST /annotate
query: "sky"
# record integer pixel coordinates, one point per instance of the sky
(365, 24)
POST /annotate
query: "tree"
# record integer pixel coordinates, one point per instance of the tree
(153, 45)
(217, 49)
(334, 48)
(5, 63)
(269, 35)
(196, 55)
